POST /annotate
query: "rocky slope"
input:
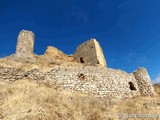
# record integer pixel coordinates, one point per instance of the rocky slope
(27, 100)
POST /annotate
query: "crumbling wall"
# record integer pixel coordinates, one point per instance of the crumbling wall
(11, 74)
(24, 48)
(92, 80)
(99, 82)
(53, 53)
(25, 44)
(144, 82)
(90, 53)
(57, 54)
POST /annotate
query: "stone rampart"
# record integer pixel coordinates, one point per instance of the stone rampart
(99, 82)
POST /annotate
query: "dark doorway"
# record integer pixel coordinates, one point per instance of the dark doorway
(97, 62)
(81, 60)
(132, 87)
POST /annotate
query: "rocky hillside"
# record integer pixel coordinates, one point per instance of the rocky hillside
(56, 86)
(27, 100)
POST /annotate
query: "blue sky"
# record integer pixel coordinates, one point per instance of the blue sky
(128, 30)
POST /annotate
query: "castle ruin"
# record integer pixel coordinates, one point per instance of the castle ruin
(90, 53)
(87, 73)
(25, 44)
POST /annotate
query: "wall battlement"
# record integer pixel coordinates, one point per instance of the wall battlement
(100, 82)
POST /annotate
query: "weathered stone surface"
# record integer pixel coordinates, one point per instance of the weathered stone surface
(90, 53)
(144, 82)
(99, 82)
(52, 51)
(56, 56)
(25, 44)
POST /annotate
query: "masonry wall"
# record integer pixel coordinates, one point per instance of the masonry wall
(100, 55)
(25, 44)
(90, 53)
(92, 80)
(144, 82)
(99, 82)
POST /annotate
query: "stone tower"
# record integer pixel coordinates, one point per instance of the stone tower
(25, 44)
(90, 53)
(144, 82)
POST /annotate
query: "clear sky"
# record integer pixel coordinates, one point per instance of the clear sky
(128, 30)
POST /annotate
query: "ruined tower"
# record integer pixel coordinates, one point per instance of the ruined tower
(25, 44)
(90, 53)
(144, 82)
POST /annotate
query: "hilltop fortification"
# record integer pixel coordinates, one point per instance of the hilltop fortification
(85, 71)
(90, 53)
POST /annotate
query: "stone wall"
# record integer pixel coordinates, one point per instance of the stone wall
(99, 82)
(24, 48)
(144, 82)
(11, 74)
(90, 53)
(25, 44)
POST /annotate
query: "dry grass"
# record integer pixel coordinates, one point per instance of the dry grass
(27, 100)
